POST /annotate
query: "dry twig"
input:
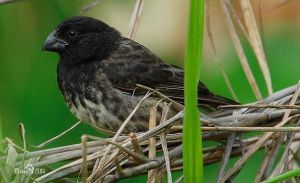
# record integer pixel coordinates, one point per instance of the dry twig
(135, 18)
(9, 1)
(164, 142)
(256, 43)
(239, 48)
(214, 49)
(226, 156)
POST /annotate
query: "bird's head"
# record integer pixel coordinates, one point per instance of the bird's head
(82, 39)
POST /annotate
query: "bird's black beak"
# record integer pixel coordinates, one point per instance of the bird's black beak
(53, 43)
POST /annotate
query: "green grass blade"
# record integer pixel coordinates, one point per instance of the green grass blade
(284, 176)
(192, 141)
(1, 136)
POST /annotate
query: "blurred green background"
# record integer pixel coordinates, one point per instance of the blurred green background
(28, 90)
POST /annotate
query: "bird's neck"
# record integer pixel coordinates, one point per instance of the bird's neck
(74, 75)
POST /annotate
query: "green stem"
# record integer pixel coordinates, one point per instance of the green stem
(192, 141)
(284, 176)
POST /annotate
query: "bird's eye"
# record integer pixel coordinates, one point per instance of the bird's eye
(72, 34)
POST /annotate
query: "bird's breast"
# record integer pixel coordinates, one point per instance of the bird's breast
(95, 113)
(92, 99)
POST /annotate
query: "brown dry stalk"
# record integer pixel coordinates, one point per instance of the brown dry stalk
(286, 115)
(139, 158)
(175, 105)
(226, 156)
(174, 153)
(245, 129)
(58, 136)
(239, 49)
(262, 106)
(84, 160)
(214, 49)
(235, 16)
(135, 18)
(11, 142)
(152, 140)
(9, 1)
(269, 160)
(136, 146)
(164, 141)
(255, 42)
(89, 6)
(237, 166)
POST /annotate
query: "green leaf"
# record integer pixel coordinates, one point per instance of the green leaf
(284, 176)
(192, 141)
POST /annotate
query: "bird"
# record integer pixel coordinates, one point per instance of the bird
(99, 69)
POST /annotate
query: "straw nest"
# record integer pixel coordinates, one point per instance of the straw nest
(159, 151)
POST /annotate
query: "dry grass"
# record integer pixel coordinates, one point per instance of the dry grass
(134, 154)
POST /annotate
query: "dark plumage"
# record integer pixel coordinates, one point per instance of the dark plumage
(99, 69)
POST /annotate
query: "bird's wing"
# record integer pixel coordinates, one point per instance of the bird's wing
(134, 64)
